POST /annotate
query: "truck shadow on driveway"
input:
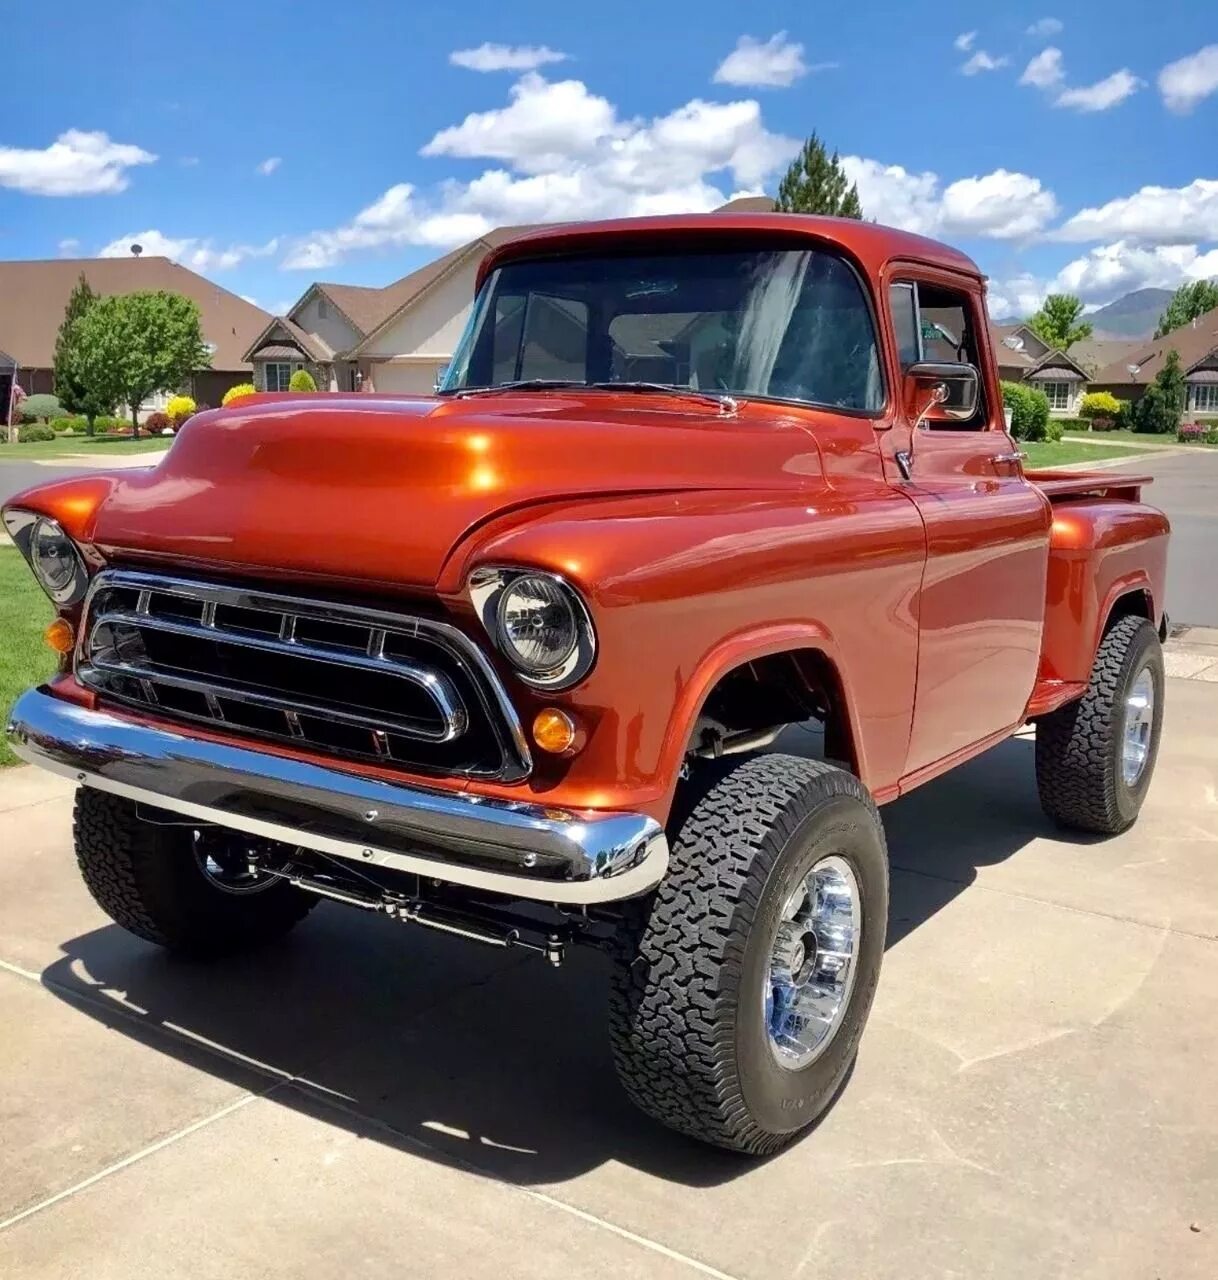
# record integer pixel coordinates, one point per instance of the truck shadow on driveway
(483, 1059)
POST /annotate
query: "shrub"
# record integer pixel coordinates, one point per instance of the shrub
(241, 389)
(179, 409)
(34, 432)
(302, 380)
(1197, 433)
(1154, 413)
(70, 422)
(104, 424)
(1100, 404)
(1029, 411)
(156, 422)
(41, 407)
(1124, 418)
(1072, 424)
(1055, 428)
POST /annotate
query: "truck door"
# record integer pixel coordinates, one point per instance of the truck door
(981, 605)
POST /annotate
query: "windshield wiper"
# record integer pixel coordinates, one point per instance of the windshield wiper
(724, 403)
(522, 384)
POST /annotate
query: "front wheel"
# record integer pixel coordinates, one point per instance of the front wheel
(1095, 757)
(186, 889)
(742, 985)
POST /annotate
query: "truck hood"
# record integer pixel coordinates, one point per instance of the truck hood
(382, 490)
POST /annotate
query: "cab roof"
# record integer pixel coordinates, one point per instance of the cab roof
(873, 246)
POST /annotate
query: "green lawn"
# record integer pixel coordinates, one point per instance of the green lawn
(1043, 454)
(86, 446)
(1134, 437)
(24, 659)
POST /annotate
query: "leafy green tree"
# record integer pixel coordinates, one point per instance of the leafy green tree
(817, 183)
(1187, 303)
(134, 344)
(1059, 322)
(302, 380)
(1162, 403)
(74, 394)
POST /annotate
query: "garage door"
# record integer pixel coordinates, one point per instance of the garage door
(414, 379)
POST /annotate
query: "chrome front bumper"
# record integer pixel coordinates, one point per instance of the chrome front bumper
(520, 849)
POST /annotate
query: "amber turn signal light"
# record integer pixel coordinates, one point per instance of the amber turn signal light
(59, 636)
(555, 731)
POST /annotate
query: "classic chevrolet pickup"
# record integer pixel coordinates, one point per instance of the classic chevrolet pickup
(511, 661)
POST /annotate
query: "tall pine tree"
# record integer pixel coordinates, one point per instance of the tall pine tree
(74, 393)
(817, 183)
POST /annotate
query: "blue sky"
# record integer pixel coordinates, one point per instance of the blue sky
(1063, 146)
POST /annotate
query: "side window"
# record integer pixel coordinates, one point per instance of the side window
(539, 336)
(932, 322)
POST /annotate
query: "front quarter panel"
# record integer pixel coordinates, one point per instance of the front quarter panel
(684, 588)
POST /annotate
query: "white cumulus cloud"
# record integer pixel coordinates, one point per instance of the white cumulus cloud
(1103, 95)
(563, 153)
(1110, 270)
(191, 251)
(269, 165)
(504, 57)
(1190, 80)
(1044, 27)
(964, 41)
(69, 247)
(1000, 205)
(77, 163)
(775, 63)
(1163, 215)
(982, 61)
(1045, 71)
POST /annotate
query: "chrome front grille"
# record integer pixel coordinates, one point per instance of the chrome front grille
(336, 678)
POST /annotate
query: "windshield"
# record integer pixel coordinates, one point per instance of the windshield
(787, 324)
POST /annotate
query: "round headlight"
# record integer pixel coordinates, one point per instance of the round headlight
(538, 628)
(55, 561)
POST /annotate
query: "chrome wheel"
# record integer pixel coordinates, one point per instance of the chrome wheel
(812, 963)
(1139, 727)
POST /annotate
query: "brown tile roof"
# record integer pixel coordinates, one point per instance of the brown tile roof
(1009, 357)
(33, 295)
(1192, 341)
(1095, 353)
(747, 204)
(309, 343)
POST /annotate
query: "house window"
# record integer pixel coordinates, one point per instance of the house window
(279, 374)
(1203, 397)
(1057, 392)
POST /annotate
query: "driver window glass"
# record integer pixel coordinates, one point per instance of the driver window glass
(945, 331)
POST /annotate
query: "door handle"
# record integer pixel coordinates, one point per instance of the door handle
(1017, 456)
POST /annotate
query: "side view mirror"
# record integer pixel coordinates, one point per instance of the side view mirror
(941, 392)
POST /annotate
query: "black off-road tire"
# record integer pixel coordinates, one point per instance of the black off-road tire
(1078, 747)
(687, 1019)
(145, 877)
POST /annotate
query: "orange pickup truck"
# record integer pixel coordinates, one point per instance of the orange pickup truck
(513, 661)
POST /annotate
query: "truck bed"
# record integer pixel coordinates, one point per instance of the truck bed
(1058, 485)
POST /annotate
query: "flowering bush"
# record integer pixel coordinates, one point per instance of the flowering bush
(241, 389)
(1197, 433)
(156, 422)
(179, 409)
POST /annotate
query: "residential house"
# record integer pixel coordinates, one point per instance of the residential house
(1024, 357)
(1196, 343)
(34, 294)
(398, 338)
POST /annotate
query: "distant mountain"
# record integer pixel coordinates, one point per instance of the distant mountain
(1136, 315)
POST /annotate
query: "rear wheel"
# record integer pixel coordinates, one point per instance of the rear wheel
(742, 985)
(1095, 757)
(189, 890)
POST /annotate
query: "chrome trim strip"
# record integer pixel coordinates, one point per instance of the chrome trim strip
(448, 702)
(605, 857)
(505, 722)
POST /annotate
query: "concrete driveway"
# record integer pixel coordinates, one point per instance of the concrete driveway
(1037, 1093)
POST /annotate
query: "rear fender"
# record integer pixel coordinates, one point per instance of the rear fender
(1101, 551)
